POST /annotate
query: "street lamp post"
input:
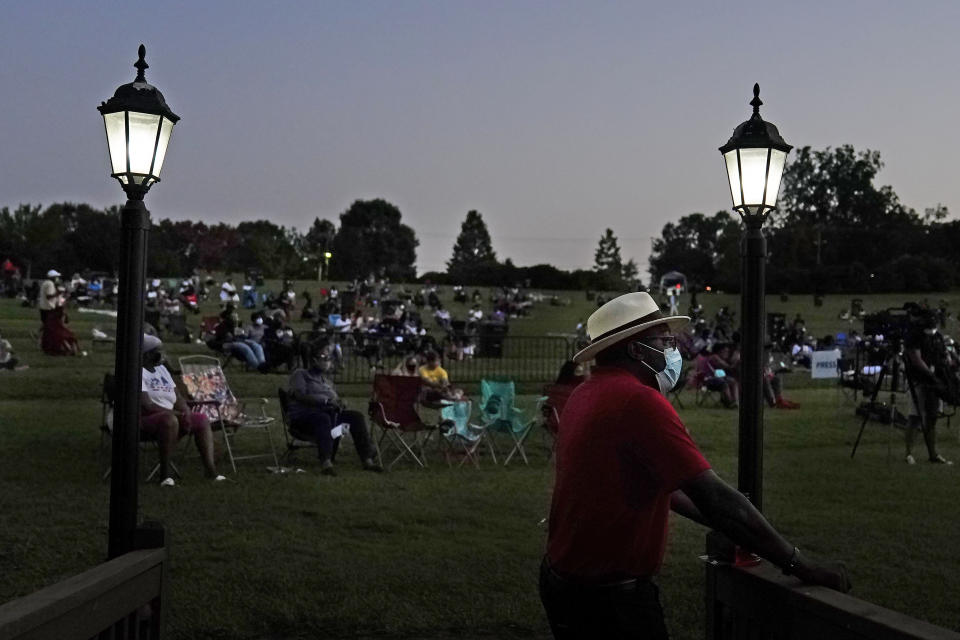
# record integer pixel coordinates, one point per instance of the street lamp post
(138, 124)
(754, 156)
(326, 263)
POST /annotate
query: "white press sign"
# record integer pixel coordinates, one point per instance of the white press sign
(823, 364)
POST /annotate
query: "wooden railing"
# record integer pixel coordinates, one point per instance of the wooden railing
(120, 599)
(760, 602)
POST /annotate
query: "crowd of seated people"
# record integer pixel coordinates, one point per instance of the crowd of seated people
(264, 344)
(711, 370)
(713, 350)
(83, 289)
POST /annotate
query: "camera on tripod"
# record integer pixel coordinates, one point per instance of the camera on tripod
(892, 324)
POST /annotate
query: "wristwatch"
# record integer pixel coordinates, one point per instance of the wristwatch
(792, 563)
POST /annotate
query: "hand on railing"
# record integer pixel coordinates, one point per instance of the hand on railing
(833, 575)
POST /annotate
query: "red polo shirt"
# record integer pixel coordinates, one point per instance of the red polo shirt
(621, 451)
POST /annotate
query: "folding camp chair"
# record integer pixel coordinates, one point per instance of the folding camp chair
(674, 394)
(394, 408)
(702, 394)
(177, 326)
(208, 393)
(208, 327)
(294, 440)
(462, 437)
(108, 392)
(208, 331)
(498, 414)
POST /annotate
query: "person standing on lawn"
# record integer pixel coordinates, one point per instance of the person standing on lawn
(623, 461)
(925, 350)
(48, 296)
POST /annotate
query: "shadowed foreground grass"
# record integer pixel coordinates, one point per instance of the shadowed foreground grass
(453, 552)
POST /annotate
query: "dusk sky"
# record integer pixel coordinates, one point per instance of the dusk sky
(554, 120)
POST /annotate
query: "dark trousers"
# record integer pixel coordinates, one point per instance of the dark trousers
(628, 609)
(316, 423)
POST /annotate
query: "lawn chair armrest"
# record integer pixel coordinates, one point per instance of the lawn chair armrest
(379, 416)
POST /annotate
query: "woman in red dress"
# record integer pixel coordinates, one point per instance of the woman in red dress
(58, 339)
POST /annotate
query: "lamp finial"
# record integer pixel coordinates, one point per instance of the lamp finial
(756, 102)
(141, 64)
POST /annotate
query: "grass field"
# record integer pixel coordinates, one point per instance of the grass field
(447, 553)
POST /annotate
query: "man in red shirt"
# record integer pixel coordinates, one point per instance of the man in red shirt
(624, 460)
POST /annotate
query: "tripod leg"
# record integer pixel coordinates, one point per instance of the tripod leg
(873, 399)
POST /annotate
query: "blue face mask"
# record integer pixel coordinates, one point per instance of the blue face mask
(668, 378)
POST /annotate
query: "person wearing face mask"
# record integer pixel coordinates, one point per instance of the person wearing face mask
(925, 351)
(624, 460)
(408, 367)
(229, 338)
(315, 411)
(165, 417)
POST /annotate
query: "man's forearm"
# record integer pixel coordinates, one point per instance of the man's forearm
(729, 512)
(681, 504)
(739, 521)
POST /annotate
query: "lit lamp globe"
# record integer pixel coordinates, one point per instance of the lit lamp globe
(755, 156)
(138, 124)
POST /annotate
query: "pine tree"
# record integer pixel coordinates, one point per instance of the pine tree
(631, 272)
(607, 256)
(473, 247)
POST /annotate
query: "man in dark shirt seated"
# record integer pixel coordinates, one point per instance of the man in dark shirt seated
(316, 412)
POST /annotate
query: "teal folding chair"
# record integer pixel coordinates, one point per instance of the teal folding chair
(499, 415)
(460, 435)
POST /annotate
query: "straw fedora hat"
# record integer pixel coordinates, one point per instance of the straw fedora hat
(621, 318)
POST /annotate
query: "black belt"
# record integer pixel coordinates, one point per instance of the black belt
(612, 582)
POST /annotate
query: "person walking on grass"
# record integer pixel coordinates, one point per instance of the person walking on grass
(165, 417)
(623, 461)
(317, 412)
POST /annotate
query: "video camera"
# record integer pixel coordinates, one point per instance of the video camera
(894, 323)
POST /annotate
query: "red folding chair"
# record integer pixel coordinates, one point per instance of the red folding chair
(394, 408)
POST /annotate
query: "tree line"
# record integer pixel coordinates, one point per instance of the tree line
(835, 230)
(371, 239)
